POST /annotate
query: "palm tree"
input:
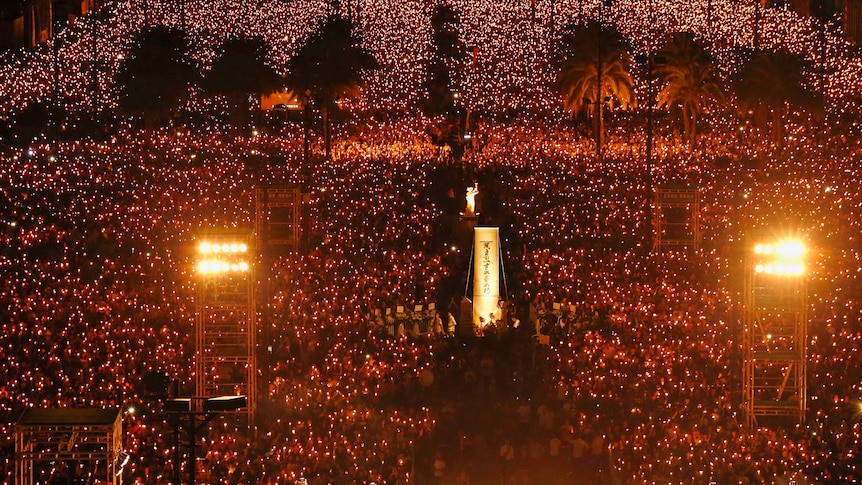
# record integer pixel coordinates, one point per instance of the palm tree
(329, 66)
(770, 84)
(240, 71)
(155, 77)
(447, 50)
(688, 78)
(594, 69)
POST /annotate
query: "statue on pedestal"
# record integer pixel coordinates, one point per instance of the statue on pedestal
(470, 211)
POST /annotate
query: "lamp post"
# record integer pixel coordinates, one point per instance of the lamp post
(306, 170)
(599, 107)
(94, 67)
(600, 99)
(306, 143)
(649, 138)
(756, 34)
(551, 33)
(55, 92)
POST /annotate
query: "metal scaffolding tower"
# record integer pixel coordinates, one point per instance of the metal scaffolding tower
(775, 332)
(225, 316)
(278, 218)
(69, 435)
(676, 218)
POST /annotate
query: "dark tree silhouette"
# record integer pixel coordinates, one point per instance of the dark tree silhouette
(594, 70)
(770, 84)
(447, 50)
(155, 77)
(688, 79)
(243, 69)
(328, 67)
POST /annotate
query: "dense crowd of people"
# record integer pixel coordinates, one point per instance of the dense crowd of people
(616, 363)
(635, 384)
(505, 47)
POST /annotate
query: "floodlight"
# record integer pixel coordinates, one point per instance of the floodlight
(792, 250)
(208, 247)
(212, 266)
(782, 258)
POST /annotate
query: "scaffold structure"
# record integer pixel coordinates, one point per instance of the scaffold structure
(676, 218)
(277, 218)
(775, 330)
(69, 437)
(225, 326)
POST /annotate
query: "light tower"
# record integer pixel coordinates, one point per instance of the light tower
(775, 330)
(225, 323)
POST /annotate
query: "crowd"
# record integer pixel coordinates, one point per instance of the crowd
(505, 47)
(636, 383)
(637, 380)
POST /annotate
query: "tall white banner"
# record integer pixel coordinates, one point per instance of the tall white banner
(486, 275)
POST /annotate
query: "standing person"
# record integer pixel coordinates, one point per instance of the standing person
(438, 325)
(450, 325)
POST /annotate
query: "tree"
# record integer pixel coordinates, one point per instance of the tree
(242, 70)
(329, 67)
(689, 81)
(446, 51)
(593, 70)
(770, 84)
(155, 77)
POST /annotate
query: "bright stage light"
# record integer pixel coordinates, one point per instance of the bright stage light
(224, 253)
(212, 266)
(207, 247)
(780, 269)
(790, 250)
(784, 258)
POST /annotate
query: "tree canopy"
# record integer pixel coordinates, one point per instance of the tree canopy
(155, 77)
(593, 71)
(770, 83)
(241, 70)
(329, 66)
(688, 77)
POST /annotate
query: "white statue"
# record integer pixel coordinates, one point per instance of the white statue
(471, 200)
